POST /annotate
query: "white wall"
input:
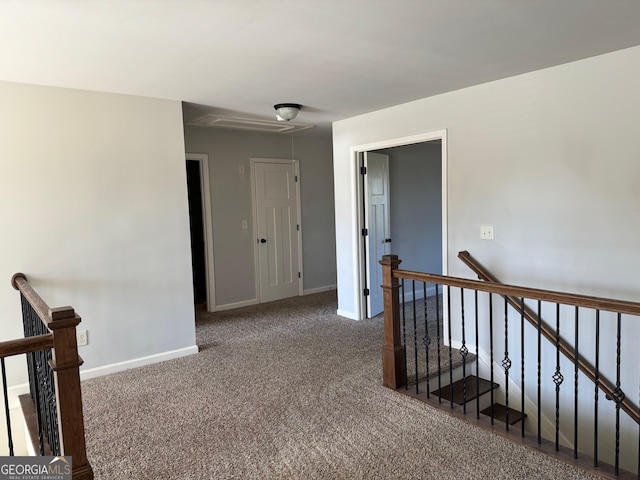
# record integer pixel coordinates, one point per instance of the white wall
(93, 209)
(551, 159)
(231, 203)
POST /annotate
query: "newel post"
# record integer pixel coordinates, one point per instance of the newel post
(66, 366)
(394, 372)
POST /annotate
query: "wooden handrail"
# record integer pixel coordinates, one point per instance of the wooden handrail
(65, 362)
(605, 304)
(548, 332)
(26, 345)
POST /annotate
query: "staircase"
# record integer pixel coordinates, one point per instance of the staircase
(558, 402)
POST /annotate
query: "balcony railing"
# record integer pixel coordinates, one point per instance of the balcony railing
(53, 407)
(566, 387)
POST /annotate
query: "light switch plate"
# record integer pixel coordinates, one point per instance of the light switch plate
(486, 232)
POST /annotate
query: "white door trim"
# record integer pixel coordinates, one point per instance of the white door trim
(203, 160)
(358, 246)
(296, 166)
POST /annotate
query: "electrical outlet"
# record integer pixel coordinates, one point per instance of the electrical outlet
(82, 337)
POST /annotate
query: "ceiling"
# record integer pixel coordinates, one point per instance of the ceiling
(338, 58)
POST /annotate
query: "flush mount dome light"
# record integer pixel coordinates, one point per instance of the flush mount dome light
(287, 111)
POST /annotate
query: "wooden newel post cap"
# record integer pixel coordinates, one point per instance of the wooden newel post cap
(390, 260)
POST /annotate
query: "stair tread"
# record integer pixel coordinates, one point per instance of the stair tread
(500, 413)
(484, 386)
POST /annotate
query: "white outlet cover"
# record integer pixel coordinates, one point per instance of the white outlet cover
(82, 338)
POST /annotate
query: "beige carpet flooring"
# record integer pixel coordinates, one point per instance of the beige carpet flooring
(286, 390)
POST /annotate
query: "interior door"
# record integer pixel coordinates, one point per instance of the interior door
(378, 226)
(277, 228)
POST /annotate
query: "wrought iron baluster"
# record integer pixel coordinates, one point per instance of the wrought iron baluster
(493, 413)
(575, 391)
(404, 335)
(557, 377)
(539, 371)
(6, 406)
(36, 399)
(477, 356)
(596, 382)
(439, 343)
(618, 394)
(450, 350)
(463, 353)
(415, 332)
(427, 338)
(52, 431)
(522, 388)
(506, 362)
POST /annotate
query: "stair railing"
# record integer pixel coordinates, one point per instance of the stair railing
(566, 349)
(54, 403)
(480, 319)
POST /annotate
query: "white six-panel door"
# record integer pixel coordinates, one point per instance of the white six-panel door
(277, 228)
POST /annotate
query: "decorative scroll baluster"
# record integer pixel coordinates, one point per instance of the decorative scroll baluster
(506, 362)
(427, 339)
(522, 389)
(596, 382)
(575, 392)
(463, 353)
(415, 332)
(6, 406)
(618, 394)
(557, 377)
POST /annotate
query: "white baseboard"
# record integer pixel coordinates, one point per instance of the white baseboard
(137, 362)
(231, 306)
(346, 314)
(311, 291)
(16, 390)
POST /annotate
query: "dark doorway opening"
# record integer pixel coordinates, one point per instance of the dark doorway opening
(197, 232)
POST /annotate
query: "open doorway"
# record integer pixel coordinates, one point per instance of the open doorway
(199, 198)
(410, 220)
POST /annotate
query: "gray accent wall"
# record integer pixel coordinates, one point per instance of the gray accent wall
(231, 200)
(415, 181)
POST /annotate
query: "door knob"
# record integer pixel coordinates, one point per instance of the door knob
(262, 240)
(387, 240)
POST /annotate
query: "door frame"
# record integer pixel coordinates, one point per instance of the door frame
(254, 209)
(205, 188)
(360, 257)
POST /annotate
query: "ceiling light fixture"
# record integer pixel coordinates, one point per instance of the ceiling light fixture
(287, 111)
